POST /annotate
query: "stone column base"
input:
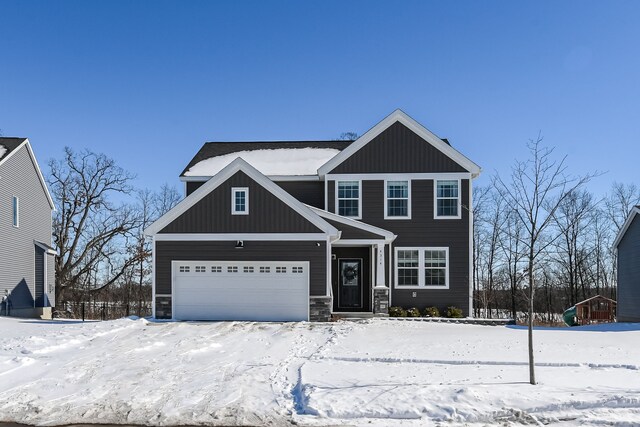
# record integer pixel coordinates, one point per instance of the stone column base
(381, 301)
(319, 309)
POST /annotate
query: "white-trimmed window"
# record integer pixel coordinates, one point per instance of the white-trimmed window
(447, 198)
(348, 200)
(16, 211)
(426, 268)
(239, 201)
(397, 203)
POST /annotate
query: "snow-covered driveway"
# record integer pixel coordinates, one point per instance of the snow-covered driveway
(377, 372)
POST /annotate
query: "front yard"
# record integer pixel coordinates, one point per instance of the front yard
(377, 372)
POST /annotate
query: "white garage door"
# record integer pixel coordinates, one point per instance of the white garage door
(226, 290)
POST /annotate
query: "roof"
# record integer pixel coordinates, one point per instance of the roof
(634, 211)
(216, 149)
(339, 222)
(596, 297)
(9, 144)
(227, 172)
(424, 133)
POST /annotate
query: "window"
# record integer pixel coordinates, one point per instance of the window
(201, 269)
(265, 269)
(422, 268)
(16, 211)
(239, 201)
(216, 269)
(296, 270)
(246, 269)
(396, 200)
(232, 269)
(281, 269)
(184, 269)
(447, 199)
(348, 198)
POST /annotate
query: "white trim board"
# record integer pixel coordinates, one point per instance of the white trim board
(388, 235)
(232, 237)
(205, 178)
(424, 133)
(227, 172)
(396, 176)
(625, 226)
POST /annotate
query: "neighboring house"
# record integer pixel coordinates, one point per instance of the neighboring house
(27, 279)
(303, 230)
(627, 245)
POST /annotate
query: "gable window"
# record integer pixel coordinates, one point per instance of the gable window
(447, 198)
(426, 268)
(240, 201)
(348, 196)
(397, 199)
(16, 211)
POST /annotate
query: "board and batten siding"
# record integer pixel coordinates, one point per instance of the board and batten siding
(315, 252)
(397, 150)
(422, 230)
(18, 177)
(267, 213)
(628, 293)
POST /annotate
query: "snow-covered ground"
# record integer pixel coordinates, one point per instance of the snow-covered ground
(377, 372)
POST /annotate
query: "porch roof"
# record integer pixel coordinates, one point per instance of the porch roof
(352, 229)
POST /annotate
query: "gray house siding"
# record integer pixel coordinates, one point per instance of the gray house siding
(398, 150)
(166, 251)
(192, 186)
(629, 274)
(18, 177)
(267, 213)
(422, 230)
(308, 192)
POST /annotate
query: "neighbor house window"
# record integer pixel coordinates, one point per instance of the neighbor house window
(422, 268)
(447, 198)
(240, 201)
(16, 211)
(349, 198)
(397, 199)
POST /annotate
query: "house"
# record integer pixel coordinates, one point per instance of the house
(627, 245)
(27, 275)
(303, 230)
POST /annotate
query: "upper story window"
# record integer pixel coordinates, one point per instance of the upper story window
(447, 198)
(422, 268)
(16, 211)
(349, 199)
(240, 201)
(397, 204)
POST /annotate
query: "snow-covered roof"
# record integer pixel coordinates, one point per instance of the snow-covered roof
(270, 162)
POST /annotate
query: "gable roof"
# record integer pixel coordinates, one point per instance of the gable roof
(240, 165)
(424, 133)
(634, 211)
(216, 149)
(11, 146)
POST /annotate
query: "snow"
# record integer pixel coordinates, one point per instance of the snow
(3, 150)
(279, 161)
(376, 372)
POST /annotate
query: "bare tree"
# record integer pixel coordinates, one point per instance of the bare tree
(537, 188)
(622, 199)
(348, 136)
(92, 234)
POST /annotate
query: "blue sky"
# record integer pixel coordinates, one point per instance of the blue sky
(148, 82)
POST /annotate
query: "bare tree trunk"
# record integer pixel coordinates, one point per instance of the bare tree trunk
(532, 373)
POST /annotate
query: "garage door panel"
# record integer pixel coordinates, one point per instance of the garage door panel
(263, 291)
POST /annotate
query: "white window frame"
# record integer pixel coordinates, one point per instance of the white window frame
(386, 193)
(15, 211)
(337, 201)
(435, 199)
(244, 190)
(421, 267)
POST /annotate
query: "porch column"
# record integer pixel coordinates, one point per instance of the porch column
(380, 270)
(380, 291)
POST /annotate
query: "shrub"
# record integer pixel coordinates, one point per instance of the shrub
(397, 312)
(431, 312)
(454, 312)
(413, 312)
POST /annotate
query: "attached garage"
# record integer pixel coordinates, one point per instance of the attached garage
(240, 290)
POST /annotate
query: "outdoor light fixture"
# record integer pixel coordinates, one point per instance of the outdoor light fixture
(239, 244)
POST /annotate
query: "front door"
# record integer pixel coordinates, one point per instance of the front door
(349, 283)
